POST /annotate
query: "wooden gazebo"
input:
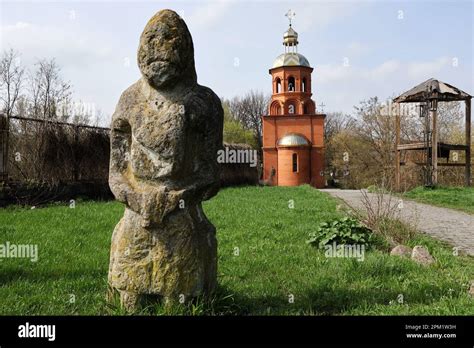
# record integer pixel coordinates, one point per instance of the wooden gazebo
(428, 94)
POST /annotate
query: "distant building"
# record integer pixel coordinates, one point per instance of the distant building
(293, 132)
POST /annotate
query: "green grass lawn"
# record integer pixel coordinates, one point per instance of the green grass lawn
(461, 198)
(273, 264)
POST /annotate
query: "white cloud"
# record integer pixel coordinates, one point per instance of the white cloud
(209, 14)
(18, 25)
(427, 69)
(342, 87)
(390, 68)
(320, 14)
(94, 64)
(356, 48)
(385, 69)
(327, 73)
(48, 41)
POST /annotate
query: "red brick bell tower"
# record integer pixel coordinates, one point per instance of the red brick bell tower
(293, 132)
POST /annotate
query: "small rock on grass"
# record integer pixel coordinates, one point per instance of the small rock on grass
(421, 255)
(471, 289)
(401, 250)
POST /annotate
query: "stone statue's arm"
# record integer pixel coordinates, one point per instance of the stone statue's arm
(152, 201)
(209, 124)
(120, 174)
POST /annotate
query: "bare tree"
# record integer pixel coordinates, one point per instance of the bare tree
(248, 110)
(336, 122)
(450, 122)
(378, 131)
(49, 93)
(11, 79)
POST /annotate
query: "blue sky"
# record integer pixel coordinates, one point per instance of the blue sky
(389, 46)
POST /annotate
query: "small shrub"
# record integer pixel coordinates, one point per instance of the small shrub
(377, 189)
(395, 231)
(345, 230)
(382, 215)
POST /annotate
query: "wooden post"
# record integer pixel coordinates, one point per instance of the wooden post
(434, 141)
(3, 147)
(397, 152)
(468, 141)
(75, 174)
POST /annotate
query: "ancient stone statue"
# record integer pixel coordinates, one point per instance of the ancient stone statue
(166, 131)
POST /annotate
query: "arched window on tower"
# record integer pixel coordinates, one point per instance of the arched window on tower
(295, 163)
(275, 108)
(278, 110)
(291, 84)
(303, 84)
(278, 85)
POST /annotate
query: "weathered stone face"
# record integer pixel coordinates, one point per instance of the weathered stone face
(165, 134)
(166, 52)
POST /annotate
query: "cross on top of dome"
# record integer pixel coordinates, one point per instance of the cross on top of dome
(290, 14)
(290, 37)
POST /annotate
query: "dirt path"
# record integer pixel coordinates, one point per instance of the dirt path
(452, 226)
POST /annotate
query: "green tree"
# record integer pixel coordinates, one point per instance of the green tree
(234, 132)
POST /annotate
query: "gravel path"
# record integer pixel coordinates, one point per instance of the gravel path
(452, 226)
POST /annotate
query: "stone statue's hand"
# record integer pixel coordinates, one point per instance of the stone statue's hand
(156, 203)
(149, 204)
(145, 221)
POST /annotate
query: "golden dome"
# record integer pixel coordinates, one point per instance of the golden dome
(292, 139)
(290, 37)
(290, 59)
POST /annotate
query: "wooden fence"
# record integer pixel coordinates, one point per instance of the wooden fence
(44, 160)
(44, 151)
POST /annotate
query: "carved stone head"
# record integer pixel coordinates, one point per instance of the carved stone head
(166, 52)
